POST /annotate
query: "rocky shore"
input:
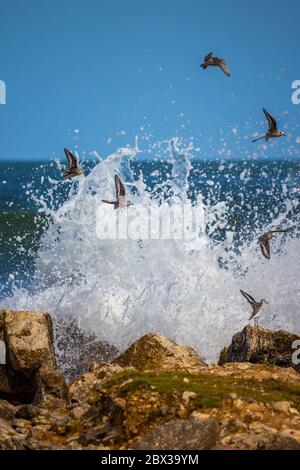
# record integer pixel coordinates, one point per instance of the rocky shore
(155, 395)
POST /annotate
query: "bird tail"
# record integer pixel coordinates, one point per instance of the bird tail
(259, 138)
(204, 66)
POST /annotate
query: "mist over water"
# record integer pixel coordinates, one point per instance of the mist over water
(187, 289)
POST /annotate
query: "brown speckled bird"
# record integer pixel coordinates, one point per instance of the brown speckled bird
(256, 306)
(121, 199)
(74, 169)
(272, 132)
(266, 237)
(210, 61)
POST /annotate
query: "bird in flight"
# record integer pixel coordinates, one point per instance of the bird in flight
(121, 199)
(210, 61)
(272, 132)
(266, 237)
(256, 306)
(74, 169)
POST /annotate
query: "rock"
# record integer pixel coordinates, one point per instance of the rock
(173, 402)
(187, 396)
(29, 342)
(259, 345)
(277, 441)
(188, 434)
(27, 412)
(81, 389)
(7, 411)
(157, 352)
(283, 406)
(16, 390)
(78, 411)
(30, 372)
(77, 350)
(222, 357)
(52, 385)
(96, 434)
(9, 438)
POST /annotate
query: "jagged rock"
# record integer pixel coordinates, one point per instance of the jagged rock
(259, 345)
(82, 389)
(30, 370)
(77, 350)
(27, 412)
(276, 441)
(7, 411)
(171, 400)
(157, 352)
(29, 342)
(184, 434)
(52, 385)
(222, 357)
(16, 390)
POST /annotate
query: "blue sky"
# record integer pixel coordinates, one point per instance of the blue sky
(119, 68)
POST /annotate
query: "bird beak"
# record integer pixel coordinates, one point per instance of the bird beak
(266, 301)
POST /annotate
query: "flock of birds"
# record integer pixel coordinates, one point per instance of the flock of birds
(121, 200)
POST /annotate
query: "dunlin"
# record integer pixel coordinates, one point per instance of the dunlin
(266, 237)
(74, 169)
(121, 199)
(272, 132)
(256, 306)
(210, 61)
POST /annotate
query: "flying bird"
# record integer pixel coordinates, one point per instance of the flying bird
(210, 61)
(256, 306)
(266, 237)
(74, 169)
(121, 199)
(272, 132)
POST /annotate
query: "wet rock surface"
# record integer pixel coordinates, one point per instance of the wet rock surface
(30, 372)
(261, 346)
(76, 350)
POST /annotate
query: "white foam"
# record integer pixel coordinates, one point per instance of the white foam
(124, 289)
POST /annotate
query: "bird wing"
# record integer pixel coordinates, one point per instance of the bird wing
(248, 297)
(120, 188)
(284, 230)
(265, 247)
(208, 56)
(108, 202)
(252, 315)
(71, 159)
(223, 66)
(271, 120)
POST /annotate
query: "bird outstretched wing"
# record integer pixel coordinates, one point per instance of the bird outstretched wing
(223, 66)
(208, 56)
(271, 120)
(283, 230)
(71, 159)
(265, 247)
(120, 188)
(248, 297)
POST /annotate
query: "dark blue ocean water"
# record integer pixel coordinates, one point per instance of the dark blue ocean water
(254, 191)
